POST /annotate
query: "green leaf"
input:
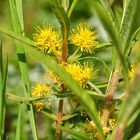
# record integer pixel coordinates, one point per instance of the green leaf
(76, 133)
(131, 125)
(111, 29)
(69, 116)
(18, 27)
(126, 23)
(131, 42)
(95, 95)
(62, 17)
(72, 7)
(107, 7)
(29, 99)
(3, 80)
(136, 137)
(18, 129)
(18, 37)
(49, 115)
(104, 45)
(50, 130)
(23, 99)
(64, 22)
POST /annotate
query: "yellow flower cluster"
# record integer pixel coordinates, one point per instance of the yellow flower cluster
(47, 40)
(81, 74)
(39, 106)
(91, 128)
(40, 91)
(84, 38)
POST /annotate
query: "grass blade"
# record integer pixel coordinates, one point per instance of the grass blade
(127, 21)
(18, 129)
(72, 7)
(136, 137)
(50, 130)
(111, 30)
(107, 7)
(18, 26)
(3, 79)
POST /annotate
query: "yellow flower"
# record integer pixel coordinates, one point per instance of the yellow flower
(84, 38)
(94, 134)
(56, 79)
(82, 74)
(39, 106)
(132, 71)
(47, 40)
(40, 90)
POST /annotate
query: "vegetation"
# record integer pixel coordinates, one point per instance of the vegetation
(76, 75)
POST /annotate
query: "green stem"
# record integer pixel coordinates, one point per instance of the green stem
(60, 107)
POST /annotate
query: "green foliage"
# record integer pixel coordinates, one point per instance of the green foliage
(62, 17)
(18, 27)
(101, 109)
(3, 81)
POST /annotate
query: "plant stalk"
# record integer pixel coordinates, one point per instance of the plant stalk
(65, 50)
(59, 120)
(60, 107)
(109, 96)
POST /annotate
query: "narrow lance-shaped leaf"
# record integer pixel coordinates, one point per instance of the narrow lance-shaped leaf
(18, 130)
(19, 49)
(3, 79)
(130, 9)
(61, 16)
(107, 7)
(72, 7)
(18, 27)
(110, 28)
